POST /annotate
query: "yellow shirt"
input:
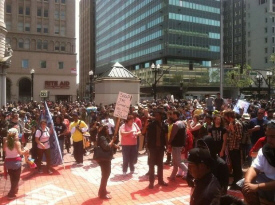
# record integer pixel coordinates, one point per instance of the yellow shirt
(77, 135)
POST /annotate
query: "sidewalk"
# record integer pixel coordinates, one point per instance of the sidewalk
(79, 185)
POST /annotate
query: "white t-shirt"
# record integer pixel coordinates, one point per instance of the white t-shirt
(44, 139)
(262, 165)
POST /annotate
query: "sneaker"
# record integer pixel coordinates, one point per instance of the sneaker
(80, 164)
(124, 173)
(40, 171)
(50, 172)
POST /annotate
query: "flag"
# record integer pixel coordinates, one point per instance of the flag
(56, 155)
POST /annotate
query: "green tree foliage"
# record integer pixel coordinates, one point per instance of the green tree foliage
(237, 79)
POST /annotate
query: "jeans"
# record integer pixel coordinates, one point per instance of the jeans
(14, 178)
(235, 156)
(176, 155)
(129, 154)
(68, 142)
(40, 153)
(156, 158)
(105, 167)
(78, 151)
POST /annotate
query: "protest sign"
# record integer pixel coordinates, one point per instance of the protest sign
(122, 105)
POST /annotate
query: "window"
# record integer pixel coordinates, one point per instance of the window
(38, 28)
(39, 44)
(27, 44)
(20, 26)
(25, 63)
(265, 50)
(56, 15)
(265, 40)
(43, 64)
(63, 1)
(45, 27)
(27, 27)
(273, 29)
(63, 47)
(266, 20)
(266, 60)
(39, 12)
(56, 30)
(45, 45)
(62, 31)
(56, 47)
(8, 9)
(56, 1)
(8, 25)
(20, 10)
(62, 15)
(27, 11)
(20, 43)
(265, 29)
(46, 13)
(60, 65)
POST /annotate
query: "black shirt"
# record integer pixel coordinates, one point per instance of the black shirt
(59, 128)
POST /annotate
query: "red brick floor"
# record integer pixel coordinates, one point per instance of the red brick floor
(72, 184)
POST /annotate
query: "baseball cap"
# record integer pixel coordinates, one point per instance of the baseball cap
(200, 155)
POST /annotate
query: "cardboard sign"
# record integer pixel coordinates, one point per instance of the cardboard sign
(122, 105)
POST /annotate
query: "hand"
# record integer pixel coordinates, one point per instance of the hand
(43, 146)
(249, 187)
(257, 127)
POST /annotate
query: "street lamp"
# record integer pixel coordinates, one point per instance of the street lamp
(91, 74)
(269, 76)
(155, 70)
(259, 79)
(32, 74)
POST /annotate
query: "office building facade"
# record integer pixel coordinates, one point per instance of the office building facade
(260, 30)
(167, 32)
(86, 48)
(42, 36)
(234, 27)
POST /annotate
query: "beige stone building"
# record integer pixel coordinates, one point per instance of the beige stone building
(42, 36)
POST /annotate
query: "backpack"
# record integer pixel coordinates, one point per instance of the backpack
(47, 130)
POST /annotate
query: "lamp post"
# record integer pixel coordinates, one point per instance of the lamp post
(91, 74)
(155, 70)
(259, 79)
(269, 76)
(32, 74)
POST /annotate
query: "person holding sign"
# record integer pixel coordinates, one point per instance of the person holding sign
(129, 132)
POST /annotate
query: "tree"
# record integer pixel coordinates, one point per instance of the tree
(237, 79)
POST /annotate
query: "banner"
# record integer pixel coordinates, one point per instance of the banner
(56, 155)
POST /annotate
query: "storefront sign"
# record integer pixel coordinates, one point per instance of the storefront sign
(57, 84)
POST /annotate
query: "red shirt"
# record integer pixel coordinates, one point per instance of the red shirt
(258, 145)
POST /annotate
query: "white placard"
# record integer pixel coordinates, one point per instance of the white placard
(241, 104)
(122, 105)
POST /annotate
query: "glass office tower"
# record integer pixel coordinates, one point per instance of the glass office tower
(171, 32)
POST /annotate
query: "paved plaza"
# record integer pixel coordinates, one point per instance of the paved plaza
(73, 184)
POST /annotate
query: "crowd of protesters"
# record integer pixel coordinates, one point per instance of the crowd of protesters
(175, 128)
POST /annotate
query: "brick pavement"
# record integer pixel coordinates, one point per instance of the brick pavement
(79, 185)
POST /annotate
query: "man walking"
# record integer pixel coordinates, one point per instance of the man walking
(177, 142)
